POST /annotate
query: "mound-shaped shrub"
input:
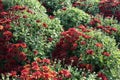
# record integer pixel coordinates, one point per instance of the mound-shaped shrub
(46, 69)
(32, 4)
(54, 5)
(88, 49)
(72, 17)
(110, 8)
(108, 25)
(11, 55)
(89, 6)
(38, 31)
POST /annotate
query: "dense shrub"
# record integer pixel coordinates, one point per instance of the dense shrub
(89, 6)
(108, 25)
(54, 5)
(11, 55)
(28, 37)
(32, 4)
(46, 69)
(38, 31)
(110, 8)
(87, 49)
(72, 17)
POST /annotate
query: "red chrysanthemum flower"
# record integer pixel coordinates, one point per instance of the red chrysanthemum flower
(106, 54)
(100, 45)
(89, 51)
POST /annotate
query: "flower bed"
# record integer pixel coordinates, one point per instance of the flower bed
(59, 40)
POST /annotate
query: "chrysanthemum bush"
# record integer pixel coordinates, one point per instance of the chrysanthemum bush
(108, 25)
(87, 49)
(54, 5)
(46, 70)
(110, 8)
(14, 59)
(38, 30)
(27, 35)
(39, 69)
(72, 17)
(89, 6)
(11, 56)
(33, 4)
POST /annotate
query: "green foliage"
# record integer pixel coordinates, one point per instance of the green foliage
(54, 5)
(77, 74)
(113, 23)
(108, 21)
(98, 59)
(81, 74)
(92, 48)
(36, 30)
(72, 17)
(89, 6)
(33, 4)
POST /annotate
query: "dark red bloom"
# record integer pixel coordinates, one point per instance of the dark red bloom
(22, 56)
(51, 17)
(7, 35)
(36, 75)
(35, 52)
(82, 27)
(114, 29)
(45, 25)
(106, 54)
(13, 73)
(90, 51)
(3, 13)
(83, 42)
(65, 73)
(50, 39)
(24, 16)
(101, 75)
(45, 68)
(100, 27)
(86, 36)
(74, 60)
(30, 11)
(7, 26)
(74, 46)
(38, 21)
(23, 45)
(46, 61)
(86, 66)
(100, 45)
(64, 8)
(35, 67)
(18, 7)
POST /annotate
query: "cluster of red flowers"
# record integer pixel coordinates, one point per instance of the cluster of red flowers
(108, 29)
(76, 3)
(68, 43)
(39, 69)
(12, 58)
(102, 76)
(94, 22)
(10, 55)
(106, 8)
